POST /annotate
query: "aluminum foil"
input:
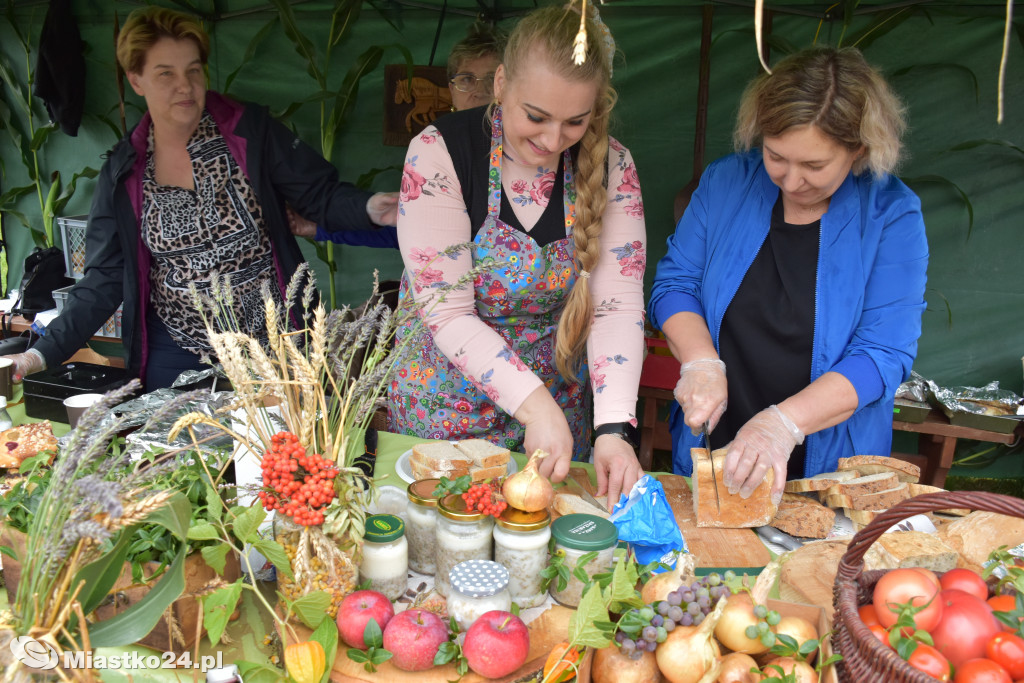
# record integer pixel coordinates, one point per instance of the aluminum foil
(986, 400)
(916, 388)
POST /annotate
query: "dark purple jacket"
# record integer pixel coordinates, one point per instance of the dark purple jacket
(280, 167)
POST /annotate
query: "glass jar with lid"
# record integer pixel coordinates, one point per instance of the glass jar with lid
(385, 562)
(421, 522)
(576, 535)
(460, 535)
(521, 546)
(477, 587)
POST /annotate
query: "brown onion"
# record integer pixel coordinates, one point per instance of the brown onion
(736, 668)
(799, 629)
(611, 666)
(802, 671)
(660, 585)
(528, 489)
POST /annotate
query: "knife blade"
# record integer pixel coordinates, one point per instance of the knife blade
(576, 488)
(773, 535)
(705, 433)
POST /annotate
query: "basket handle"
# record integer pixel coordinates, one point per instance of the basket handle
(851, 565)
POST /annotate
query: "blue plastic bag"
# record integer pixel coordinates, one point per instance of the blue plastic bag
(646, 521)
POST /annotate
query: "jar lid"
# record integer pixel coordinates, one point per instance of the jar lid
(421, 492)
(225, 674)
(520, 520)
(383, 528)
(453, 506)
(478, 578)
(584, 532)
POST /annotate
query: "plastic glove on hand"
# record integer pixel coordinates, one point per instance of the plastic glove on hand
(766, 440)
(702, 392)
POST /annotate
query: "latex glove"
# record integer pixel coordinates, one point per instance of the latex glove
(24, 364)
(702, 392)
(617, 467)
(383, 208)
(767, 440)
(300, 227)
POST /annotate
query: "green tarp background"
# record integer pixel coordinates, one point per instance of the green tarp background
(942, 58)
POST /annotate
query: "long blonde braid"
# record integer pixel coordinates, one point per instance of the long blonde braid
(549, 33)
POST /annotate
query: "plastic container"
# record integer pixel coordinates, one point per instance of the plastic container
(385, 560)
(72, 236)
(460, 535)
(575, 536)
(45, 391)
(477, 587)
(111, 328)
(521, 546)
(421, 525)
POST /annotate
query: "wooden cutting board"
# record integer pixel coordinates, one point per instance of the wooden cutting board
(809, 574)
(712, 547)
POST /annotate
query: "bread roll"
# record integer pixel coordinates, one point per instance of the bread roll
(727, 510)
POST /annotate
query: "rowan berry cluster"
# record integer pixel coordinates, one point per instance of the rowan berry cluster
(485, 498)
(297, 485)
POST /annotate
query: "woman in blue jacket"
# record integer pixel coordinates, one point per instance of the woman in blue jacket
(799, 266)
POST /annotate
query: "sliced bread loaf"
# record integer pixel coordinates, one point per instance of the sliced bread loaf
(440, 455)
(871, 483)
(483, 453)
(878, 500)
(820, 482)
(803, 517)
(873, 464)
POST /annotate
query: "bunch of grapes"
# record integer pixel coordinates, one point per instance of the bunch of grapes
(484, 497)
(296, 485)
(641, 630)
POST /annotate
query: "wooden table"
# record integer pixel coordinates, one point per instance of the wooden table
(86, 355)
(936, 444)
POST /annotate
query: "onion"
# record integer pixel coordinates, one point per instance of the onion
(611, 666)
(799, 629)
(690, 654)
(660, 585)
(802, 671)
(528, 489)
(736, 668)
(739, 613)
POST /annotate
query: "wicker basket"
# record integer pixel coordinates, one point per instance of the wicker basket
(865, 658)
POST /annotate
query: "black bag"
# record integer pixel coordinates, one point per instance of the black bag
(44, 272)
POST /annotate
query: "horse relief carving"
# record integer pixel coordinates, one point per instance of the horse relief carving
(427, 98)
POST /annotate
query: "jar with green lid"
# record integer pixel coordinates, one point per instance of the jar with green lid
(460, 535)
(521, 546)
(421, 521)
(575, 536)
(385, 562)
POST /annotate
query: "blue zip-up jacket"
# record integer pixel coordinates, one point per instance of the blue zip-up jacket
(872, 258)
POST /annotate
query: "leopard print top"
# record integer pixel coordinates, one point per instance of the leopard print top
(215, 230)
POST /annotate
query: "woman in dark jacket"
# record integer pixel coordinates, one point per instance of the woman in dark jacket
(197, 190)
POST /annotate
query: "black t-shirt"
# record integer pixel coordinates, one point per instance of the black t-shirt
(768, 329)
(468, 137)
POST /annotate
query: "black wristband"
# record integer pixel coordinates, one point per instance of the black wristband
(623, 430)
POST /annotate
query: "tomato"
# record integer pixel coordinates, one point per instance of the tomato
(965, 580)
(930, 574)
(1004, 603)
(929, 660)
(878, 632)
(1007, 650)
(981, 670)
(966, 626)
(900, 586)
(868, 615)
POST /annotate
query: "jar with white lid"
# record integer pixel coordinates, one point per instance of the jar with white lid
(385, 562)
(576, 535)
(460, 535)
(521, 546)
(421, 524)
(477, 587)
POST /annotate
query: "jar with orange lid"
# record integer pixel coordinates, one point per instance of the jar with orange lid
(460, 535)
(521, 546)
(421, 524)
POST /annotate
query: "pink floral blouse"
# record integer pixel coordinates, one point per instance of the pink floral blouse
(433, 216)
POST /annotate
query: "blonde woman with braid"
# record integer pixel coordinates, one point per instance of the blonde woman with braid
(538, 187)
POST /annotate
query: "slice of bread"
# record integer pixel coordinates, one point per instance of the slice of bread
(820, 482)
(910, 549)
(860, 518)
(422, 472)
(484, 473)
(871, 483)
(440, 456)
(570, 503)
(723, 509)
(921, 489)
(873, 464)
(803, 517)
(483, 453)
(878, 500)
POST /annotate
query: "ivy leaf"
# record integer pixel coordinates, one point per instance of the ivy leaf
(582, 629)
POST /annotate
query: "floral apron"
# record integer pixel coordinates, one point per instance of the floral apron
(522, 301)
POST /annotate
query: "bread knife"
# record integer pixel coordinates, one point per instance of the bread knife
(773, 535)
(706, 437)
(576, 488)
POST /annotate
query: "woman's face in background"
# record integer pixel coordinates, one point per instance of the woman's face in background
(482, 91)
(174, 84)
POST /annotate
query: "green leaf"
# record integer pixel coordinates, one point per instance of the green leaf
(905, 647)
(218, 607)
(8, 551)
(312, 607)
(273, 551)
(944, 66)
(949, 183)
(39, 137)
(356, 655)
(881, 24)
(100, 575)
(250, 52)
(214, 505)
(247, 524)
(446, 653)
(302, 44)
(203, 531)
(256, 672)
(806, 647)
(582, 631)
(327, 635)
(216, 556)
(380, 655)
(372, 636)
(624, 578)
(135, 622)
(971, 144)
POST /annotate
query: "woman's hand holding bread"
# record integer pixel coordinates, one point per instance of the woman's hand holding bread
(765, 441)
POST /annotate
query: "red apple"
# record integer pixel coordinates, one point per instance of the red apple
(357, 609)
(497, 644)
(413, 637)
